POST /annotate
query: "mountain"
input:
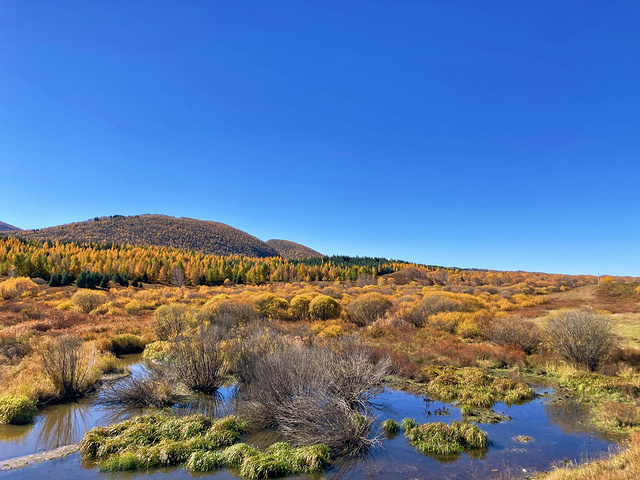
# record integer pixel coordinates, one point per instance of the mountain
(288, 249)
(4, 227)
(186, 233)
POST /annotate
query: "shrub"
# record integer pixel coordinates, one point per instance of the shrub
(159, 350)
(88, 300)
(271, 307)
(69, 365)
(581, 336)
(300, 305)
(442, 439)
(17, 410)
(323, 307)
(133, 307)
(229, 313)
(171, 320)
(473, 324)
(197, 360)
(313, 395)
(515, 331)
(152, 389)
(15, 287)
(434, 303)
(367, 308)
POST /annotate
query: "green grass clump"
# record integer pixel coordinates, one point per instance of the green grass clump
(17, 410)
(152, 441)
(471, 387)
(442, 439)
(391, 427)
(408, 424)
(279, 460)
(206, 461)
(158, 440)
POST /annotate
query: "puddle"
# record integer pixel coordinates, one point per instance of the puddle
(558, 432)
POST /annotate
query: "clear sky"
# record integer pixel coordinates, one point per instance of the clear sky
(501, 134)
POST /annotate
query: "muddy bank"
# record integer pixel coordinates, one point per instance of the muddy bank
(21, 462)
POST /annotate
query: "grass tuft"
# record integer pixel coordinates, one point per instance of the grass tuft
(442, 439)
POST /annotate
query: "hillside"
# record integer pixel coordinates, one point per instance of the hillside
(4, 227)
(185, 233)
(288, 249)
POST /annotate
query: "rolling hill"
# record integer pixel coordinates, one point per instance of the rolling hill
(186, 233)
(161, 230)
(288, 249)
(5, 227)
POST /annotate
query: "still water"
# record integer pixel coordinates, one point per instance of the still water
(558, 431)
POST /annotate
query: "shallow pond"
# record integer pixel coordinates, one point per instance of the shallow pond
(558, 433)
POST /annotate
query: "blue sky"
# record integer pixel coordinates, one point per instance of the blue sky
(499, 135)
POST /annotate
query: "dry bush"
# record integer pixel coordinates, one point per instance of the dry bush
(171, 320)
(367, 308)
(581, 336)
(436, 303)
(69, 364)
(516, 331)
(152, 389)
(314, 395)
(13, 350)
(88, 300)
(324, 307)
(198, 361)
(16, 287)
(233, 312)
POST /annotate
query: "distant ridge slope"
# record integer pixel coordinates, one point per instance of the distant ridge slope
(5, 227)
(161, 230)
(293, 250)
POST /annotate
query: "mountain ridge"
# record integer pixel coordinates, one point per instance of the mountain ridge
(204, 236)
(5, 227)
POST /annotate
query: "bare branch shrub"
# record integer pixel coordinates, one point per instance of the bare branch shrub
(171, 320)
(314, 395)
(69, 364)
(231, 313)
(581, 336)
(152, 389)
(516, 331)
(198, 359)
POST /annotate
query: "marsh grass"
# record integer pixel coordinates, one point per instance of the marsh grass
(622, 466)
(17, 410)
(279, 460)
(158, 440)
(442, 439)
(471, 387)
(196, 441)
(390, 427)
